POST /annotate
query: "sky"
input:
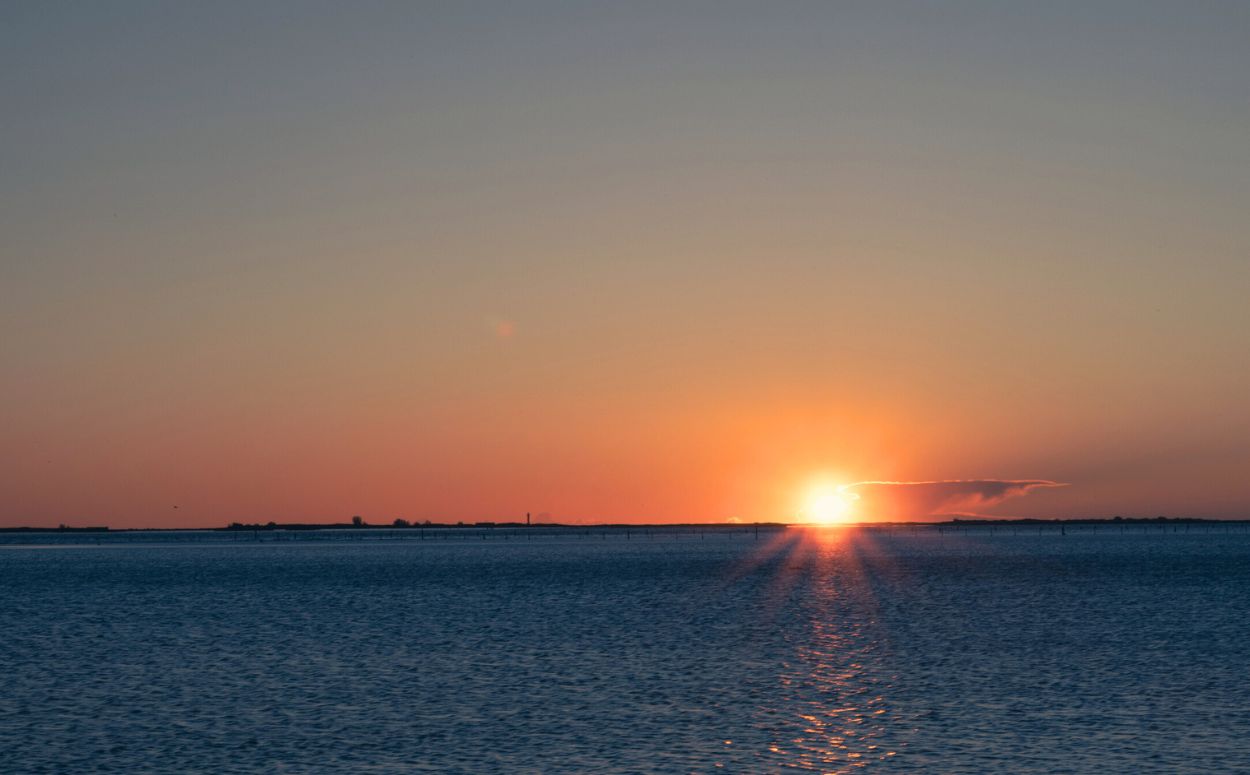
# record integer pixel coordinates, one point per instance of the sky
(635, 262)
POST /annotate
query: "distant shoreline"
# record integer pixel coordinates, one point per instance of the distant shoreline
(336, 526)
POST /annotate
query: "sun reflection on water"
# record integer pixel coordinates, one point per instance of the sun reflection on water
(835, 714)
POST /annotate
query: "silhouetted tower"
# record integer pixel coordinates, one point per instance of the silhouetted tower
(527, 519)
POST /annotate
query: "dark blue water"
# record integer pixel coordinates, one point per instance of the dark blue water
(810, 650)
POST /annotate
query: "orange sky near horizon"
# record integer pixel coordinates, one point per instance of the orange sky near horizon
(620, 265)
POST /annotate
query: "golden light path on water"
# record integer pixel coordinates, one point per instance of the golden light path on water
(834, 712)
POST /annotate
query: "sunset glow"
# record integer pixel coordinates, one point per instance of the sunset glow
(826, 504)
(625, 264)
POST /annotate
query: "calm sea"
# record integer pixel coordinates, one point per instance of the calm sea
(833, 651)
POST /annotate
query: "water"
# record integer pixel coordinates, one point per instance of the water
(807, 650)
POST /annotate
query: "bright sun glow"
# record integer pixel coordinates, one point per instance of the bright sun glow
(827, 504)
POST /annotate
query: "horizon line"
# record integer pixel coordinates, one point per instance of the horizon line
(961, 520)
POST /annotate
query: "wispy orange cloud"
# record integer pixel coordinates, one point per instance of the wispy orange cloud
(912, 500)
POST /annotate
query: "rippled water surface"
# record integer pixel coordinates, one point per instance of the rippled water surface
(827, 651)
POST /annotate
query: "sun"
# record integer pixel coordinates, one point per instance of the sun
(827, 504)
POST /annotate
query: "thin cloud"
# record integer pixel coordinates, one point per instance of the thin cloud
(911, 500)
